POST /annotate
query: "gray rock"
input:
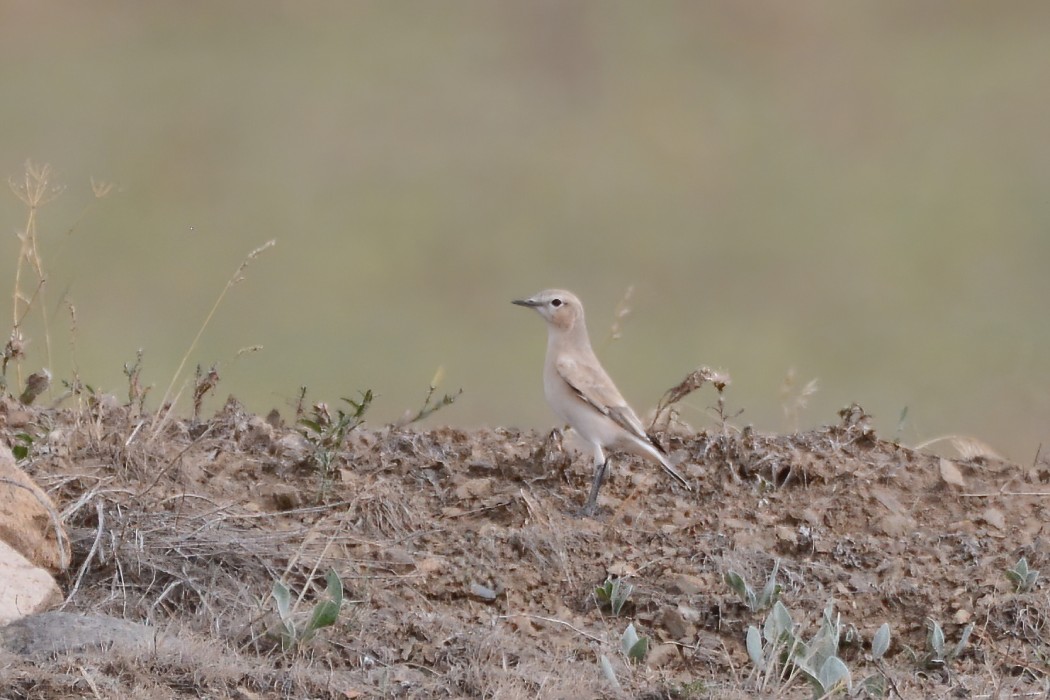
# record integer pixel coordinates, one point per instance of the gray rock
(60, 633)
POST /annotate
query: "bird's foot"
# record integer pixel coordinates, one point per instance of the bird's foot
(587, 511)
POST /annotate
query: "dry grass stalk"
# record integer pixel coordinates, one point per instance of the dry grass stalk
(793, 399)
(34, 190)
(623, 310)
(166, 408)
(968, 448)
(693, 381)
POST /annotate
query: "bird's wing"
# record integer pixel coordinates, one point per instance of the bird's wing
(592, 384)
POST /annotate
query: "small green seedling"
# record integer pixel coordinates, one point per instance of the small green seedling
(875, 686)
(880, 643)
(756, 602)
(614, 593)
(1022, 577)
(937, 656)
(608, 671)
(23, 444)
(324, 614)
(634, 647)
(326, 433)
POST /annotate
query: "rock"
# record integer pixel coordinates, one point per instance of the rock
(686, 584)
(483, 592)
(894, 525)
(60, 632)
(254, 432)
(280, 497)
(474, 488)
(994, 517)
(661, 656)
(25, 589)
(292, 447)
(29, 521)
(676, 625)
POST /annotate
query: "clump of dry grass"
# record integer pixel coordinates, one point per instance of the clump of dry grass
(692, 382)
(35, 188)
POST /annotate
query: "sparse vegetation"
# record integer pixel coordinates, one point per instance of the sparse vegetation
(326, 433)
(614, 592)
(188, 528)
(696, 379)
(780, 655)
(633, 646)
(756, 602)
(294, 633)
(1022, 577)
(431, 406)
(169, 400)
(375, 524)
(938, 654)
(22, 443)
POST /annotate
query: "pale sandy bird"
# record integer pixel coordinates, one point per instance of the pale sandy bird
(581, 393)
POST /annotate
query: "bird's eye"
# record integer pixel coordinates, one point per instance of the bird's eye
(556, 303)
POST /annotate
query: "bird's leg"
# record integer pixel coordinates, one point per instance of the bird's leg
(599, 476)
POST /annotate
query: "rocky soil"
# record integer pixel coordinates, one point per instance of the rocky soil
(468, 573)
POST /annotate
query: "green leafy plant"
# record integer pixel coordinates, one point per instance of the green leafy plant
(614, 593)
(633, 646)
(937, 654)
(777, 651)
(608, 671)
(326, 433)
(1022, 577)
(876, 685)
(756, 602)
(324, 614)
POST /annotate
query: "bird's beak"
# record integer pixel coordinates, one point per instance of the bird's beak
(532, 303)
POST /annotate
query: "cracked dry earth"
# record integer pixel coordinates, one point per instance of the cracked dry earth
(468, 574)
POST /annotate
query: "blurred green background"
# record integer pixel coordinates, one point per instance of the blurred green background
(859, 191)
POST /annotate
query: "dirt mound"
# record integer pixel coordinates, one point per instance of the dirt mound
(468, 574)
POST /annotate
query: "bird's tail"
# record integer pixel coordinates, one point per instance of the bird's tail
(652, 448)
(665, 463)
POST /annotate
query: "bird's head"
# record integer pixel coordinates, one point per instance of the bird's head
(561, 309)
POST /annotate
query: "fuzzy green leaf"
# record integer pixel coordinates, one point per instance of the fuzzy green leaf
(962, 641)
(771, 591)
(880, 644)
(283, 598)
(754, 646)
(834, 673)
(326, 612)
(608, 672)
(736, 582)
(639, 649)
(778, 624)
(628, 639)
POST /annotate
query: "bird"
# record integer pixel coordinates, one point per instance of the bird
(581, 393)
